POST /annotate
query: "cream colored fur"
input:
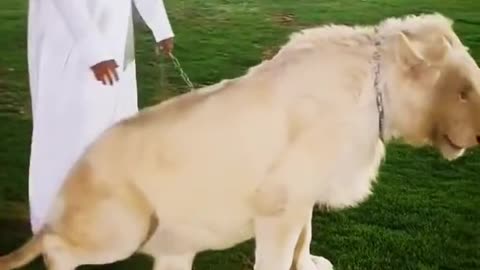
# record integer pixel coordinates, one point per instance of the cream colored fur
(251, 156)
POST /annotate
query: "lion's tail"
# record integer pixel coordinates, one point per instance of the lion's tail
(23, 255)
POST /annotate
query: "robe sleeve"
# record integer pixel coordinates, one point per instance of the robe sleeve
(93, 48)
(155, 16)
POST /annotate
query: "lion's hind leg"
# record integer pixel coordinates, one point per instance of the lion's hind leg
(110, 232)
(99, 229)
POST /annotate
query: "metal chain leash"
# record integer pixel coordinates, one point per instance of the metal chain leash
(183, 74)
(376, 60)
(377, 86)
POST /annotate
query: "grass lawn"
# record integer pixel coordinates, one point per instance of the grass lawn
(425, 213)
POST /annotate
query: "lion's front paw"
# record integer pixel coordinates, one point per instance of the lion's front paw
(321, 263)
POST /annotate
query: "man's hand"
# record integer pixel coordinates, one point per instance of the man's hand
(166, 46)
(106, 71)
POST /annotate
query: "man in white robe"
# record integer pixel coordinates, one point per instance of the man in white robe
(82, 80)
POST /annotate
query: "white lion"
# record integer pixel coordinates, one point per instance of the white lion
(251, 157)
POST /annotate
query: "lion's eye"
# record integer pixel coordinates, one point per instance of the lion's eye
(463, 96)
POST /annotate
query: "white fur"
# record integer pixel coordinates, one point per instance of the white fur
(251, 156)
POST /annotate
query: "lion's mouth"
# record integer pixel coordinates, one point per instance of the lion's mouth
(452, 144)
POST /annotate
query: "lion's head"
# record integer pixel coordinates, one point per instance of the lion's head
(433, 85)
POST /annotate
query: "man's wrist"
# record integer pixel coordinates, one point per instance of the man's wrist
(163, 33)
(93, 50)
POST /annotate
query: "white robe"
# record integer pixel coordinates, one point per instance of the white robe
(69, 107)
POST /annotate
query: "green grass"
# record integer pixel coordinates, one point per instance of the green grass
(425, 213)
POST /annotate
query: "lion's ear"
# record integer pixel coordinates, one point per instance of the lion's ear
(438, 50)
(406, 53)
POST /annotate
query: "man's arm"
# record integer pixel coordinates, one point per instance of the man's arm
(155, 16)
(93, 47)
